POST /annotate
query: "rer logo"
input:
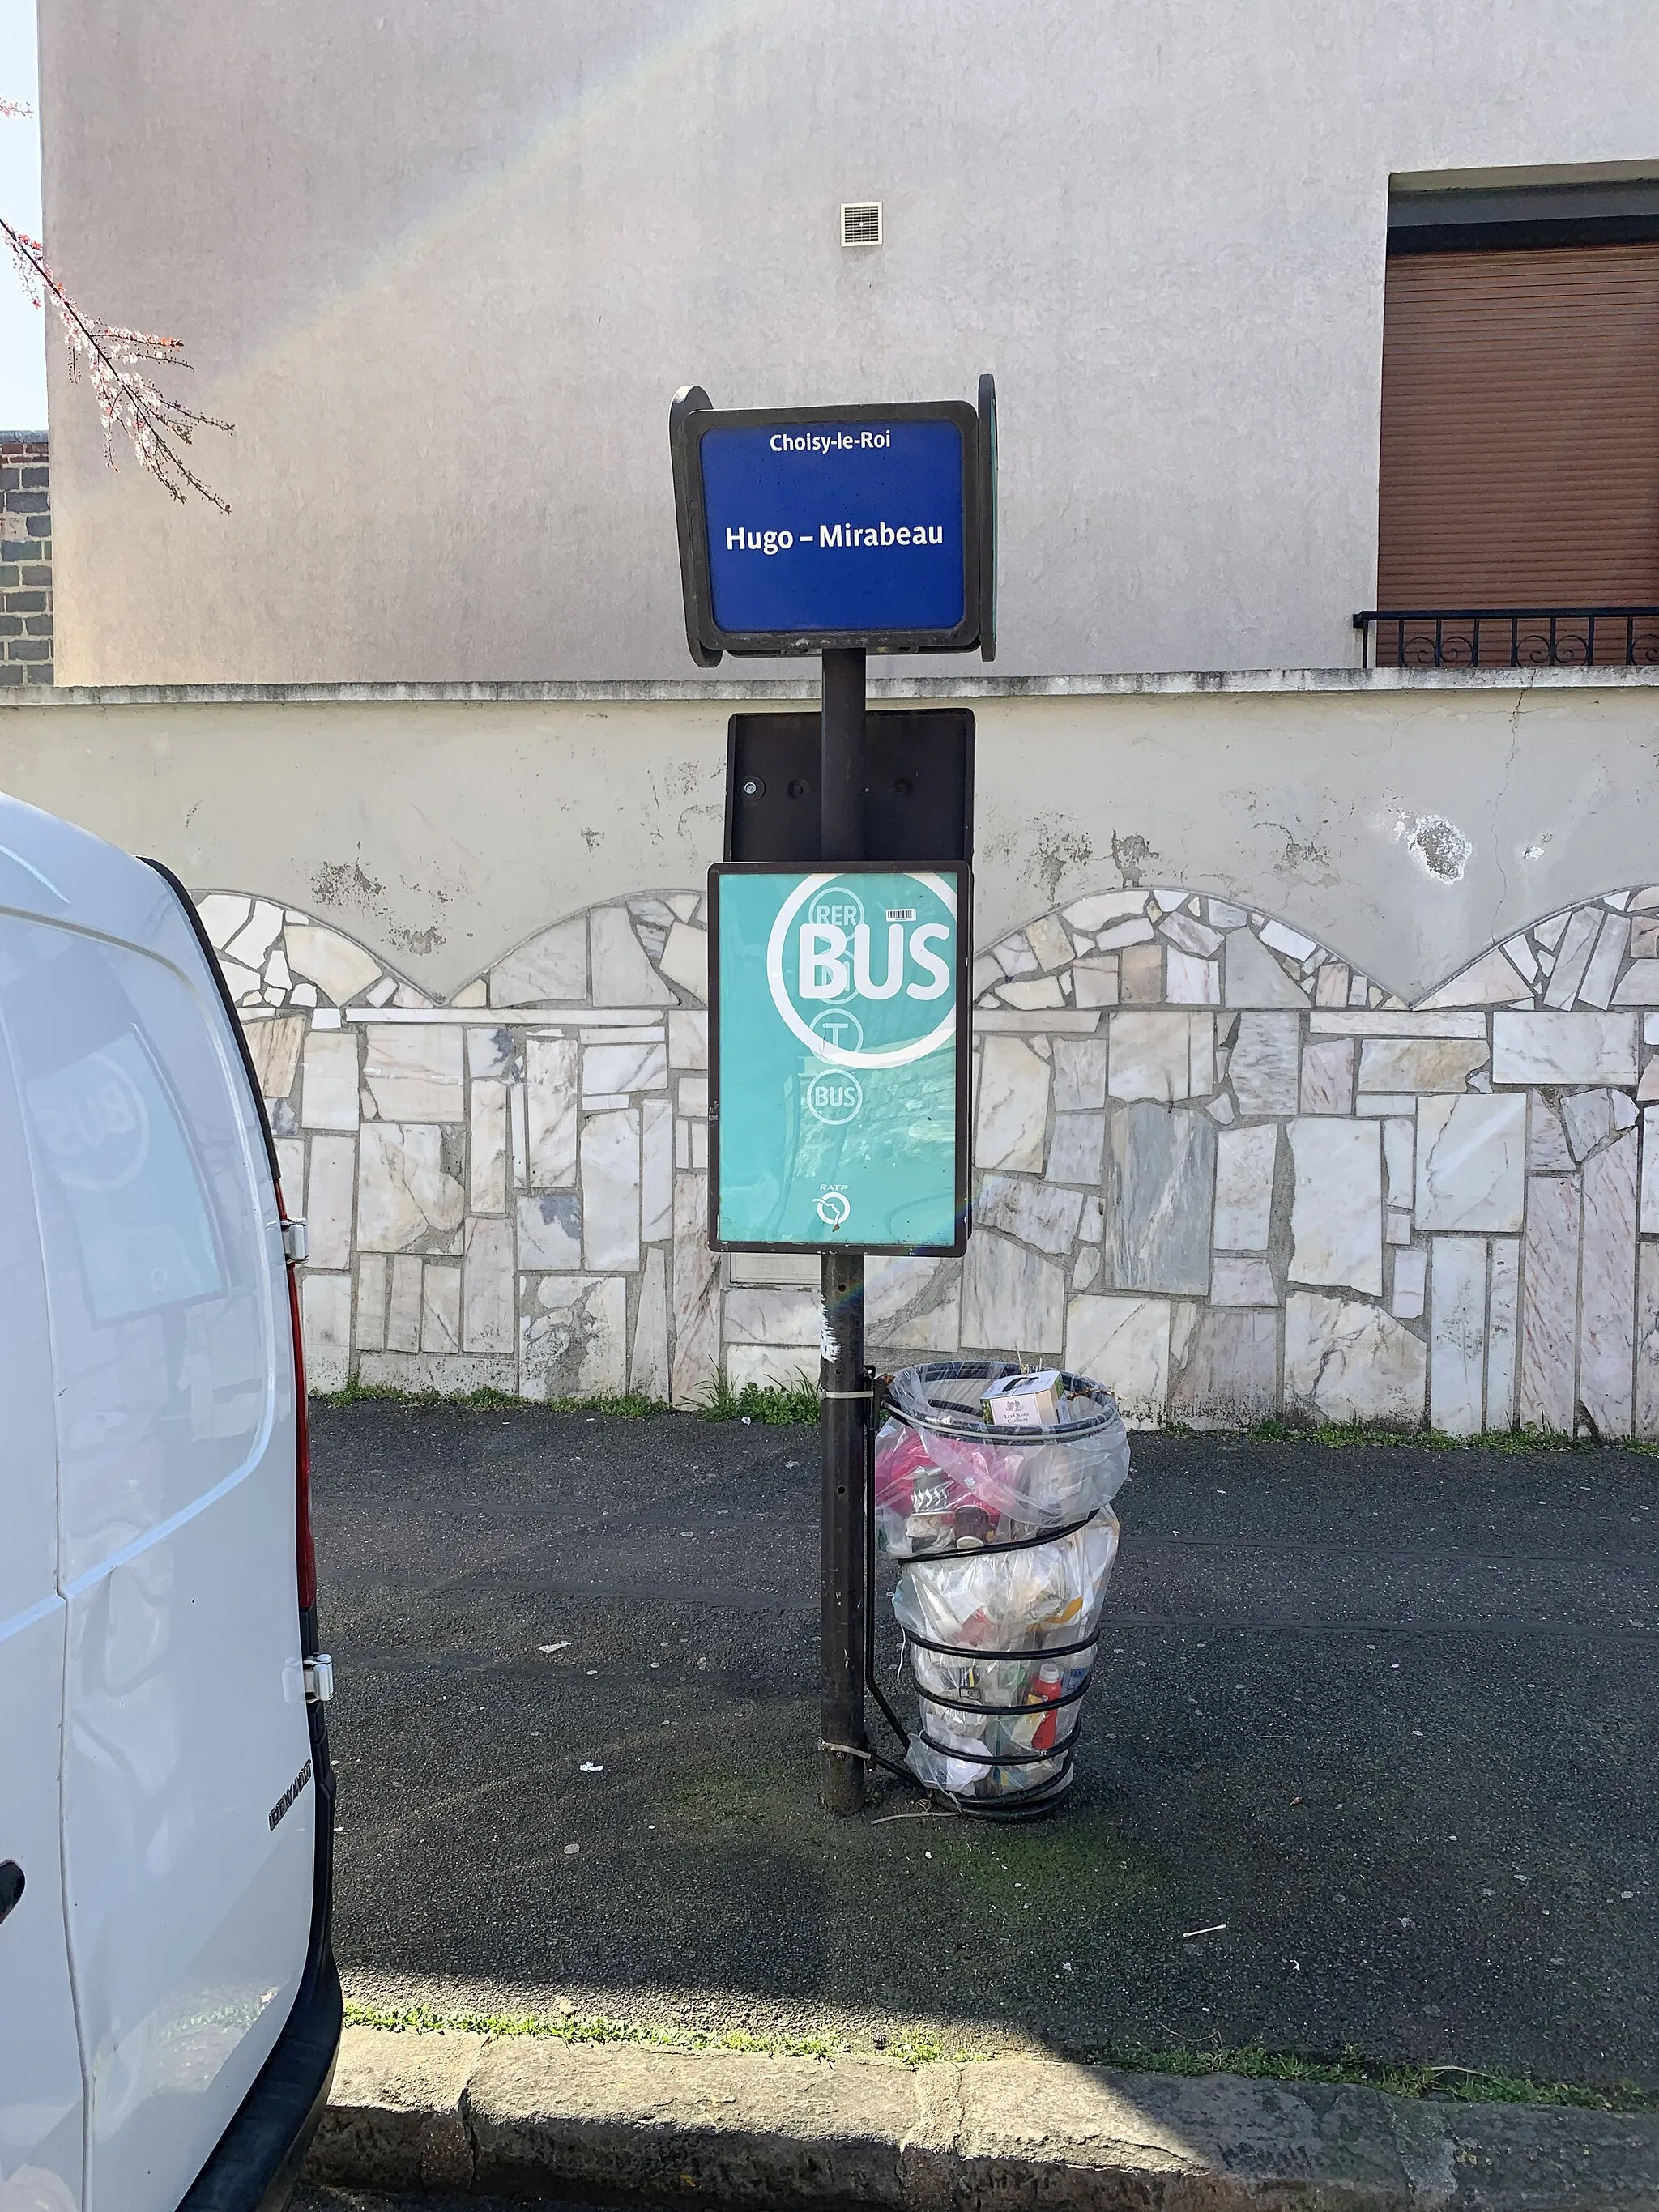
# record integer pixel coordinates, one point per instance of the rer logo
(864, 991)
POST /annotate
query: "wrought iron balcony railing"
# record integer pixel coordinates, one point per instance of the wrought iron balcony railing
(1509, 637)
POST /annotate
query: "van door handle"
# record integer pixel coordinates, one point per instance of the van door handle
(11, 1885)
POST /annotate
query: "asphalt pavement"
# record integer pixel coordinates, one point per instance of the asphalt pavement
(1368, 1762)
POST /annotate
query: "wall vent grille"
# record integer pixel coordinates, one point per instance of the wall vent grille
(861, 222)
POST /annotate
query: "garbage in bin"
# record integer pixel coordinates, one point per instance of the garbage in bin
(1009, 1538)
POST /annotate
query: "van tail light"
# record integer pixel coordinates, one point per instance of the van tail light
(304, 1549)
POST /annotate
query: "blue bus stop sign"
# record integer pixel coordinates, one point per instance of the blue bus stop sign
(840, 1090)
(809, 530)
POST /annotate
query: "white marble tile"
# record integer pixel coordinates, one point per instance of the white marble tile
(620, 1068)
(405, 1198)
(223, 914)
(1096, 982)
(274, 1048)
(1564, 1048)
(254, 940)
(647, 1367)
(291, 1172)
(413, 1072)
(1241, 1282)
(1013, 1107)
(1157, 1055)
(772, 1316)
(492, 1054)
(685, 904)
(1254, 977)
(1587, 1119)
(1281, 937)
(1547, 1150)
(769, 1366)
(1606, 1312)
(1091, 1226)
(1639, 985)
(339, 969)
(331, 1194)
(1050, 945)
(1408, 1022)
(489, 1322)
(1491, 981)
(694, 1284)
(573, 1341)
(1471, 1162)
(622, 975)
(1647, 1342)
(1120, 934)
(486, 1147)
(1263, 1067)
(549, 1233)
(441, 1307)
(1457, 1336)
(656, 1171)
(551, 1111)
(685, 959)
(1331, 984)
(1503, 1332)
(1596, 989)
(1402, 1064)
(1549, 1311)
(1327, 1076)
(789, 1268)
(369, 1333)
(1075, 1153)
(328, 1083)
(1399, 1147)
(1244, 1188)
(1014, 956)
(402, 1318)
(1347, 1362)
(1397, 1225)
(1409, 1288)
(1095, 912)
(1080, 1068)
(1336, 1208)
(688, 1039)
(551, 969)
(610, 1191)
(1190, 936)
(1036, 991)
(1036, 1212)
(326, 1329)
(697, 1144)
(1123, 1343)
(474, 994)
(1577, 943)
(1190, 983)
(1012, 1300)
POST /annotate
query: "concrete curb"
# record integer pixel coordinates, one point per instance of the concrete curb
(505, 2115)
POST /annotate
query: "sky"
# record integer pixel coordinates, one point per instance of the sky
(22, 328)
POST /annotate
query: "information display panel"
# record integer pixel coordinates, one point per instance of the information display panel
(838, 1058)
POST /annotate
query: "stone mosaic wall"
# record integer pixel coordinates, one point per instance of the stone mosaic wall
(1218, 1168)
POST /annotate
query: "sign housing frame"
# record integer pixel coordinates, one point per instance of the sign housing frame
(961, 873)
(692, 415)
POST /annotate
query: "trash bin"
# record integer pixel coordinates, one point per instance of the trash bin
(1008, 1537)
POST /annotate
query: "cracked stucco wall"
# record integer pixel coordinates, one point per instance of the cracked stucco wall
(1408, 828)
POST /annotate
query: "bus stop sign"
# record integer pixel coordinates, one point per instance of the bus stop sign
(838, 1109)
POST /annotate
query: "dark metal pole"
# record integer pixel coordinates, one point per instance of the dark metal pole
(844, 1406)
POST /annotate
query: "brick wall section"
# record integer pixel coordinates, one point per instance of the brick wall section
(26, 650)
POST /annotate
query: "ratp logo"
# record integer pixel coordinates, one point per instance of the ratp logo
(864, 995)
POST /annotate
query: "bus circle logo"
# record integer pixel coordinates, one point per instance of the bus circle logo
(839, 1028)
(833, 1207)
(834, 1098)
(823, 959)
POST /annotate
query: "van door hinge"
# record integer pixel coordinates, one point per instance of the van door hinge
(320, 1679)
(295, 1243)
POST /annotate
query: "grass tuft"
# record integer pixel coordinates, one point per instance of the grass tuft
(775, 1407)
(776, 1404)
(912, 2048)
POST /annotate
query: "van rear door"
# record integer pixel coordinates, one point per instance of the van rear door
(40, 2100)
(189, 1805)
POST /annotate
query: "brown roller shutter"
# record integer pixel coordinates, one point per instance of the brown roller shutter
(1520, 462)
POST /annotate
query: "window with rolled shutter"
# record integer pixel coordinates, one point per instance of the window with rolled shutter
(1520, 447)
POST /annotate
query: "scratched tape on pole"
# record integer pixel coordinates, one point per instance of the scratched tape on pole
(839, 1094)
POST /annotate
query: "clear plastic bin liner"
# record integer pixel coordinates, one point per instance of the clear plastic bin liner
(946, 1480)
(1010, 1541)
(1028, 1599)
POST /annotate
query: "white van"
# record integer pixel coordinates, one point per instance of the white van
(169, 2006)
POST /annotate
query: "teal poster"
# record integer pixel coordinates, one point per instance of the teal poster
(836, 1075)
